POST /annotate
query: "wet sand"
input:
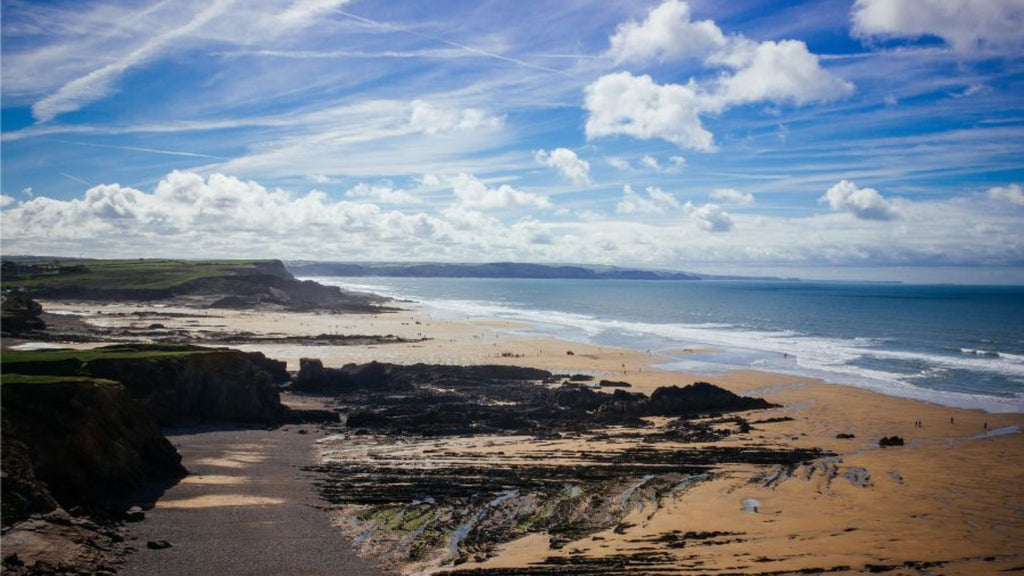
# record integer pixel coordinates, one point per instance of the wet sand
(248, 508)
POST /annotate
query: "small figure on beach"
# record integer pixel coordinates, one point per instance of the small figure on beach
(951, 420)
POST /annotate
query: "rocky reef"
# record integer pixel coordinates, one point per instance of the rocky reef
(445, 400)
(437, 465)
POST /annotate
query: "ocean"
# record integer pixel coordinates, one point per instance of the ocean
(953, 345)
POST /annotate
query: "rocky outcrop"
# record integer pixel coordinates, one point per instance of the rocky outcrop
(180, 385)
(21, 315)
(441, 400)
(700, 397)
(76, 442)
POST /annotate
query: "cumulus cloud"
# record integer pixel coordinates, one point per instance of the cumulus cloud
(474, 194)
(5, 200)
(777, 72)
(381, 194)
(636, 106)
(740, 71)
(1012, 194)
(567, 163)
(430, 119)
(864, 203)
(732, 196)
(219, 216)
(667, 33)
(965, 25)
(655, 202)
(710, 217)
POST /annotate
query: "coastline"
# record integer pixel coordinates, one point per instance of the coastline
(952, 494)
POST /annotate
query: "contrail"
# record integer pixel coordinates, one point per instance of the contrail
(138, 149)
(75, 178)
(470, 49)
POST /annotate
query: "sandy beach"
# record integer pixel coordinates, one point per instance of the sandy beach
(950, 501)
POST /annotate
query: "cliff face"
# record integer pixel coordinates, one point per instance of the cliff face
(181, 386)
(76, 442)
(206, 387)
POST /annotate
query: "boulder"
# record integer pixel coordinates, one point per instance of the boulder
(700, 397)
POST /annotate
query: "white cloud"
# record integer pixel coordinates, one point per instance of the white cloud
(710, 217)
(636, 106)
(864, 203)
(1012, 194)
(657, 201)
(965, 25)
(381, 194)
(667, 33)
(747, 72)
(222, 216)
(430, 119)
(6, 200)
(473, 194)
(732, 196)
(618, 163)
(567, 163)
(778, 72)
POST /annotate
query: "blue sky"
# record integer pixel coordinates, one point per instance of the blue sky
(868, 139)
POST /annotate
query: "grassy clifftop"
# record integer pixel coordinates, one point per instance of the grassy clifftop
(220, 283)
(142, 274)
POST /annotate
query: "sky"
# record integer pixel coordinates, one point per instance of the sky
(826, 139)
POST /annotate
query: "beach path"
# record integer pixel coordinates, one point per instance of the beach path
(247, 509)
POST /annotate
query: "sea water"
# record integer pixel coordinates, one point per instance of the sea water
(953, 345)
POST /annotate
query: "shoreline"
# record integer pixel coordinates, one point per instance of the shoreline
(692, 349)
(952, 494)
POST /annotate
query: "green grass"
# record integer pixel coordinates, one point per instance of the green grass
(85, 356)
(44, 380)
(141, 274)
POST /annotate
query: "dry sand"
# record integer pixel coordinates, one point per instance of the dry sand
(953, 494)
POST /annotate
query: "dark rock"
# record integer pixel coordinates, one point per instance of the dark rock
(20, 314)
(210, 385)
(700, 397)
(158, 544)
(134, 514)
(613, 384)
(77, 443)
(888, 441)
(845, 436)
